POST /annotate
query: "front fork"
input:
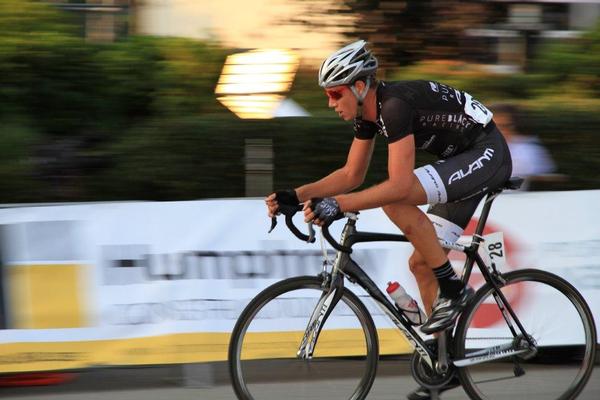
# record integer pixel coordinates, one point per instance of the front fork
(335, 289)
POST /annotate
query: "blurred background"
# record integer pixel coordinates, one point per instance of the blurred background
(125, 100)
(119, 99)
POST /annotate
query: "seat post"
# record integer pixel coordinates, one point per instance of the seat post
(513, 183)
(487, 205)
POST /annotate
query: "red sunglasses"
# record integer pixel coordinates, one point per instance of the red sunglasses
(335, 94)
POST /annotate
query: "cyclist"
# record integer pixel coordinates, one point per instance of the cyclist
(473, 160)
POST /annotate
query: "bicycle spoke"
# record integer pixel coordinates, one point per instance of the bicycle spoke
(556, 357)
(264, 350)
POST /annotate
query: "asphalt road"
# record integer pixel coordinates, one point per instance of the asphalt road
(182, 383)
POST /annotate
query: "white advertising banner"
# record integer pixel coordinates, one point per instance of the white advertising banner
(157, 282)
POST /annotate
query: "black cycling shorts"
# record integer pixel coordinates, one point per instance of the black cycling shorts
(456, 185)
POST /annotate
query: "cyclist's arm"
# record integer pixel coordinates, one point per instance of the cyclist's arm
(399, 187)
(350, 176)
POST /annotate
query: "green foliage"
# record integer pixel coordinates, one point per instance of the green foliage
(16, 172)
(574, 64)
(26, 18)
(77, 97)
(188, 73)
(204, 157)
(72, 87)
(475, 79)
(570, 134)
(38, 53)
(565, 69)
(148, 77)
(138, 119)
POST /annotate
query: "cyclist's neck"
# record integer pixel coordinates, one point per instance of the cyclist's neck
(369, 111)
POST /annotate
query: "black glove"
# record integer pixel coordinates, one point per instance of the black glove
(288, 203)
(326, 209)
(287, 197)
(365, 129)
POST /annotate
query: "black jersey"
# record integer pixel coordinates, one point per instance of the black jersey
(444, 120)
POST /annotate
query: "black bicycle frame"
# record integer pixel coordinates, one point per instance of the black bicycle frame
(355, 274)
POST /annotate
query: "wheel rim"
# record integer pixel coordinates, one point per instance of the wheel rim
(560, 364)
(265, 361)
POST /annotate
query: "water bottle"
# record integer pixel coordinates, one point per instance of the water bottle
(406, 304)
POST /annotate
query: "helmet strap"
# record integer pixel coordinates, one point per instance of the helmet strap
(360, 97)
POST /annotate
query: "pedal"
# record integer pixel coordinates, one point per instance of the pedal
(517, 369)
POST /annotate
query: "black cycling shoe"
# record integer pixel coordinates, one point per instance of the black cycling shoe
(445, 311)
(423, 393)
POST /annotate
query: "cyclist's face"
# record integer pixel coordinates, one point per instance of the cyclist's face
(343, 101)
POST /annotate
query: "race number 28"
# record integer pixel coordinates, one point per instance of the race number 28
(494, 246)
(495, 250)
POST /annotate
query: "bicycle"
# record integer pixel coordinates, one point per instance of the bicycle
(334, 352)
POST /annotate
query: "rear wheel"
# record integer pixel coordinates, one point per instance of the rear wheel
(500, 363)
(263, 359)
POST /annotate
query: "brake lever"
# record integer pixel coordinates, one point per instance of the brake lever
(273, 224)
(311, 232)
(310, 238)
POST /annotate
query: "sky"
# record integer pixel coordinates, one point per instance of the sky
(243, 24)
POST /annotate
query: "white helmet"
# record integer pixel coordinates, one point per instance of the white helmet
(347, 65)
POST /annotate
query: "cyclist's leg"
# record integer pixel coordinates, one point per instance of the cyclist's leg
(426, 280)
(419, 266)
(429, 254)
(449, 221)
(454, 187)
(419, 231)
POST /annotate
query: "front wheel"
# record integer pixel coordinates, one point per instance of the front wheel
(263, 359)
(553, 359)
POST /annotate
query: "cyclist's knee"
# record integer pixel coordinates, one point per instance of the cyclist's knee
(402, 216)
(416, 264)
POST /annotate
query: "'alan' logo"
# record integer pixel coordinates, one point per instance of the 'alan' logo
(475, 165)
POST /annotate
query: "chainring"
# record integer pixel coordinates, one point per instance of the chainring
(428, 377)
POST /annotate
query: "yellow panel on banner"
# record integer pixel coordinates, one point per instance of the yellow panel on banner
(46, 296)
(176, 348)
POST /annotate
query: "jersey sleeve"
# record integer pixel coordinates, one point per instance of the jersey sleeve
(397, 116)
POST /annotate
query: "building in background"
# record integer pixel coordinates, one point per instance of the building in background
(526, 24)
(101, 20)
(517, 29)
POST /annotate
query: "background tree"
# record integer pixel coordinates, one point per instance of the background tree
(400, 32)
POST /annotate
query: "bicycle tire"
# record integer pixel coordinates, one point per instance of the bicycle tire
(536, 372)
(271, 373)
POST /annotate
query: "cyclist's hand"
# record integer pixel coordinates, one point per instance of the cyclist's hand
(284, 197)
(322, 211)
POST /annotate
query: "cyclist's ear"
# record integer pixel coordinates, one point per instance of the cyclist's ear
(359, 85)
